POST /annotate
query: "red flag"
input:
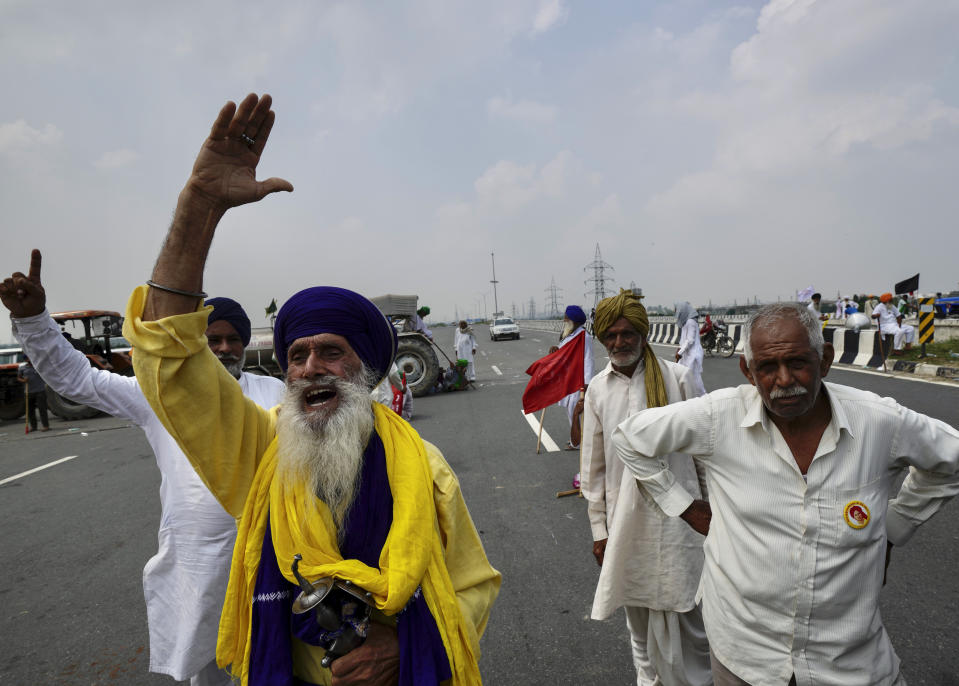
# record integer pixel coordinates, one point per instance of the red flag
(555, 376)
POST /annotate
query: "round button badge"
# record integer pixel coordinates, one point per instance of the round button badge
(856, 514)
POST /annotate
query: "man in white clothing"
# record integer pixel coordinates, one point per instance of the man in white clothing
(574, 321)
(418, 323)
(464, 344)
(650, 564)
(184, 583)
(890, 322)
(814, 305)
(800, 473)
(690, 353)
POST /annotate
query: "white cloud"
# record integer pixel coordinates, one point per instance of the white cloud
(550, 13)
(116, 159)
(527, 111)
(19, 135)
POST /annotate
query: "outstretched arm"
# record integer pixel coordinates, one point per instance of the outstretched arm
(224, 176)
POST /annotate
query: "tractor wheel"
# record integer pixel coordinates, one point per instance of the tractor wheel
(415, 358)
(13, 409)
(65, 408)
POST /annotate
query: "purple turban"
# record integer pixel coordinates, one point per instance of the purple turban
(328, 309)
(575, 314)
(229, 310)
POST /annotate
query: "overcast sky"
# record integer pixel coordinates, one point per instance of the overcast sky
(714, 151)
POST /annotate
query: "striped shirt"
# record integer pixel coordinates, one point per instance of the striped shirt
(794, 566)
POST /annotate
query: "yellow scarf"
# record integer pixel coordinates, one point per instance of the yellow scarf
(412, 555)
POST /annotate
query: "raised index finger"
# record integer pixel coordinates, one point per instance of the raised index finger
(35, 259)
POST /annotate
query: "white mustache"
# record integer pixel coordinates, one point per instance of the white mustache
(790, 392)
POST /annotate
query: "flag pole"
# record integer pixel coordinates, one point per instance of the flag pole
(539, 436)
(26, 408)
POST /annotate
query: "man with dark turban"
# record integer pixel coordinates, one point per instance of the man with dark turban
(330, 479)
(184, 583)
(419, 324)
(650, 565)
(574, 321)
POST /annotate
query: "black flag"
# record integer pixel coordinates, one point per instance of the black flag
(908, 286)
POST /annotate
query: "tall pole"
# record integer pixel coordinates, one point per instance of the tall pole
(494, 282)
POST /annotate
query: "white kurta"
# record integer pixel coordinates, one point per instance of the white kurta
(792, 578)
(184, 583)
(691, 353)
(889, 323)
(464, 343)
(569, 402)
(651, 560)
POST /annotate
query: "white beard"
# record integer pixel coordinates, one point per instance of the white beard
(568, 328)
(321, 454)
(234, 365)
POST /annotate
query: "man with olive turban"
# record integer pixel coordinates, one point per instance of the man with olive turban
(329, 479)
(649, 564)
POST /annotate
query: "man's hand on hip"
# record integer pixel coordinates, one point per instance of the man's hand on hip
(23, 294)
(375, 663)
(599, 550)
(698, 516)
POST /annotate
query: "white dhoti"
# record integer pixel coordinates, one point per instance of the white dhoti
(669, 648)
(901, 334)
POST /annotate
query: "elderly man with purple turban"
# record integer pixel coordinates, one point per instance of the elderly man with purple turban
(330, 481)
(184, 583)
(574, 324)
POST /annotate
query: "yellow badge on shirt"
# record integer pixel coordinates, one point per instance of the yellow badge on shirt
(856, 514)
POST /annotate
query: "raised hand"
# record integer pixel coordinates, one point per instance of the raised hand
(23, 294)
(225, 169)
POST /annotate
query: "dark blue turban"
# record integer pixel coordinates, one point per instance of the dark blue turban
(575, 314)
(229, 310)
(328, 309)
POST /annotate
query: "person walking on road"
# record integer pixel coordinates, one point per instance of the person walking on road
(690, 353)
(574, 321)
(184, 582)
(464, 345)
(649, 564)
(36, 394)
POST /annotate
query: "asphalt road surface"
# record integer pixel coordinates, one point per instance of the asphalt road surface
(76, 535)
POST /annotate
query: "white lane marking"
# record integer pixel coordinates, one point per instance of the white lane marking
(36, 469)
(496, 369)
(548, 442)
(536, 340)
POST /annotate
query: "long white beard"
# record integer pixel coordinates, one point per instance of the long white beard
(322, 455)
(568, 328)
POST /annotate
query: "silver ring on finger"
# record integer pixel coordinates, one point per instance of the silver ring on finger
(246, 139)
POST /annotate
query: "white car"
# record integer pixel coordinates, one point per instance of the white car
(503, 327)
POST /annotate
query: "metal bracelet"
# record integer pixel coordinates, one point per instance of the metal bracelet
(176, 291)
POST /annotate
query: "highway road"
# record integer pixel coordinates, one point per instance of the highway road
(77, 533)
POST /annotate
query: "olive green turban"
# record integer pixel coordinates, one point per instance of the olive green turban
(627, 305)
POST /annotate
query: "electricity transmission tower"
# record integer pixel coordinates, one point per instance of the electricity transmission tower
(602, 283)
(532, 308)
(552, 298)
